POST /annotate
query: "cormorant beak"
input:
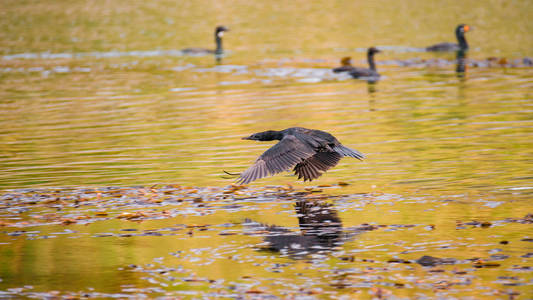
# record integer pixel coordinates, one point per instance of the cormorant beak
(247, 138)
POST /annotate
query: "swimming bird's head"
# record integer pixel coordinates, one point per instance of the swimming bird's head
(219, 31)
(462, 28)
(373, 50)
(269, 135)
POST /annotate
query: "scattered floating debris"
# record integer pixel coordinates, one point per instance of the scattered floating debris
(430, 261)
(346, 256)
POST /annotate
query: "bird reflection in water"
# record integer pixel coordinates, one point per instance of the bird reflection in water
(461, 63)
(320, 231)
(371, 88)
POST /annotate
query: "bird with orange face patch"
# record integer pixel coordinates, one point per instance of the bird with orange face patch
(445, 47)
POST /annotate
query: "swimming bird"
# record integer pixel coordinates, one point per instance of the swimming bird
(460, 34)
(308, 151)
(219, 32)
(364, 72)
(346, 65)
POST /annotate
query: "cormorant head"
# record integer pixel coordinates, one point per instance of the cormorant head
(373, 50)
(219, 31)
(269, 135)
(461, 29)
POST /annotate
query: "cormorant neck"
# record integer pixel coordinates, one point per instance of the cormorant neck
(370, 57)
(463, 45)
(218, 41)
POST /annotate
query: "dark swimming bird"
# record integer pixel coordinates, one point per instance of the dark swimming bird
(346, 65)
(460, 34)
(309, 152)
(219, 32)
(364, 72)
